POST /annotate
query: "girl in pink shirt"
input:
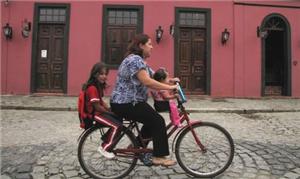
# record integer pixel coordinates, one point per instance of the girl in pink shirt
(164, 99)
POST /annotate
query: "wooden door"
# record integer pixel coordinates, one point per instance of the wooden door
(118, 39)
(50, 62)
(192, 60)
(274, 63)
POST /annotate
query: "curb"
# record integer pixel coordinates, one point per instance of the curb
(190, 110)
(32, 108)
(241, 111)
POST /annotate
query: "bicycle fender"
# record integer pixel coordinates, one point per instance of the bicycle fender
(84, 133)
(180, 131)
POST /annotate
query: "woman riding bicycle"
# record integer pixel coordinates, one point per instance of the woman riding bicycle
(129, 97)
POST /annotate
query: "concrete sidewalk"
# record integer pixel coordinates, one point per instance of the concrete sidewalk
(194, 104)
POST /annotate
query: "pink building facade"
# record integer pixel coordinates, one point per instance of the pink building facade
(217, 48)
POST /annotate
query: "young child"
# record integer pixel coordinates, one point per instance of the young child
(98, 109)
(164, 99)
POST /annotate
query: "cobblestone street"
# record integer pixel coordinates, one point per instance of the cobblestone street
(43, 144)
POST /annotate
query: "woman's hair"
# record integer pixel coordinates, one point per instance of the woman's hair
(160, 75)
(95, 71)
(134, 46)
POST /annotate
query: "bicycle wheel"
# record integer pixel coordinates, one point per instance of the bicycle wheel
(210, 163)
(96, 165)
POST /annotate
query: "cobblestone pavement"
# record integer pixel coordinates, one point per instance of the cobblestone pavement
(43, 144)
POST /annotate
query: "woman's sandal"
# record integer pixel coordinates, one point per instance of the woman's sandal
(163, 161)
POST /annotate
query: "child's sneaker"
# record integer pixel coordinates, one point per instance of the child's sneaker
(106, 154)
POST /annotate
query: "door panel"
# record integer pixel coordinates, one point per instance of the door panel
(191, 60)
(50, 59)
(198, 61)
(118, 39)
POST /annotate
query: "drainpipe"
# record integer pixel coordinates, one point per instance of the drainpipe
(5, 8)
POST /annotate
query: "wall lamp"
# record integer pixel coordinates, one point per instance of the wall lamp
(225, 36)
(172, 29)
(159, 33)
(6, 3)
(8, 31)
(26, 28)
(262, 33)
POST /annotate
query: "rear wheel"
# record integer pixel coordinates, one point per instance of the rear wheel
(96, 165)
(204, 163)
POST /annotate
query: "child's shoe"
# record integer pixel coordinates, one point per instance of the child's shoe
(106, 154)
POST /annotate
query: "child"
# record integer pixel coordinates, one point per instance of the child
(98, 109)
(163, 99)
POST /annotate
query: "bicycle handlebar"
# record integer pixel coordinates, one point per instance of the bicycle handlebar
(181, 93)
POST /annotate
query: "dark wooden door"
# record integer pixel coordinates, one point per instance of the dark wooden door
(118, 39)
(192, 60)
(275, 63)
(50, 60)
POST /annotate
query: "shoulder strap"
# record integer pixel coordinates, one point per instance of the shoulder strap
(85, 104)
(85, 101)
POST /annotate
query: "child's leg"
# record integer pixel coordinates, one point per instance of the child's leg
(114, 125)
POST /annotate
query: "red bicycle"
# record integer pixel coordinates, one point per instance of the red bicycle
(202, 149)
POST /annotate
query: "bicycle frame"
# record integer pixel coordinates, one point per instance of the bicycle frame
(171, 129)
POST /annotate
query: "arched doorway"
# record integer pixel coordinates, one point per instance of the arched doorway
(276, 61)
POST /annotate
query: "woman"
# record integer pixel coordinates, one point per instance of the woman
(129, 97)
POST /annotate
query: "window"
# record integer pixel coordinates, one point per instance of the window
(121, 24)
(57, 15)
(275, 23)
(192, 19)
(122, 17)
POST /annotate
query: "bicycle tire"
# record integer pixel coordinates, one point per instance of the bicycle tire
(219, 150)
(98, 166)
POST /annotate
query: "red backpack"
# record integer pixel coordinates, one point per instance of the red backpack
(84, 119)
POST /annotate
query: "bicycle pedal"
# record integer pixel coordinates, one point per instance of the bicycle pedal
(146, 159)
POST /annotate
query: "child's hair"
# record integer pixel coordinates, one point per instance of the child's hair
(95, 71)
(160, 75)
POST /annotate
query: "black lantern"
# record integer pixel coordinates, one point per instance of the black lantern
(8, 32)
(6, 3)
(260, 32)
(26, 28)
(159, 33)
(225, 36)
(172, 30)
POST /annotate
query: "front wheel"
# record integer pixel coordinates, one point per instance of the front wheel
(215, 156)
(96, 165)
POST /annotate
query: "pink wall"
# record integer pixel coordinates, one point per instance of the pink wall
(16, 53)
(235, 67)
(247, 52)
(295, 36)
(163, 53)
(91, 45)
(222, 55)
(84, 42)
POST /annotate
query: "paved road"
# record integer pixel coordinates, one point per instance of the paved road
(42, 144)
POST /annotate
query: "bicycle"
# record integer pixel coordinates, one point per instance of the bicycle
(202, 149)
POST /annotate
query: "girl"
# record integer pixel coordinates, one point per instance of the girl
(98, 109)
(163, 99)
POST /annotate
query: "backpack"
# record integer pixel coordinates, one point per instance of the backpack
(84, 119)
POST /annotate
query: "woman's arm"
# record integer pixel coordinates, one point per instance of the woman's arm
(145, 79)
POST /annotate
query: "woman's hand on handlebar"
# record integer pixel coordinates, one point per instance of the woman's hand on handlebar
(174, 80)
(174, 87)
